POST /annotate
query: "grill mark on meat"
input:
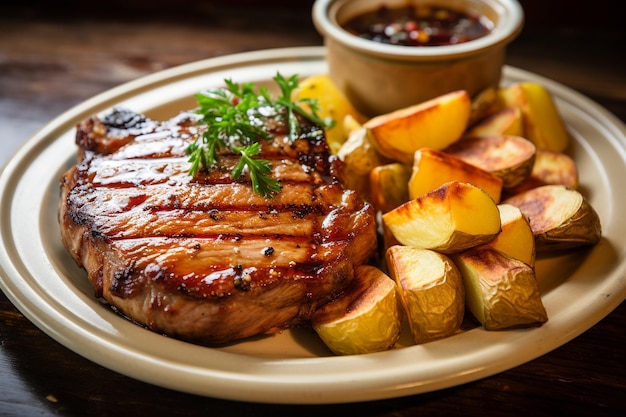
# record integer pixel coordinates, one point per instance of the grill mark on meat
(206, 259)
(195, 223)
(201, 262)
(174, 171)
(232, 196)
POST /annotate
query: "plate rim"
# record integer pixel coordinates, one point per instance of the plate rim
(276, 380)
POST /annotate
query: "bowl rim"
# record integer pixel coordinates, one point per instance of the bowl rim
(509, 25)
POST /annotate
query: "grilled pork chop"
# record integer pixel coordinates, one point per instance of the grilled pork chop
(204, 258)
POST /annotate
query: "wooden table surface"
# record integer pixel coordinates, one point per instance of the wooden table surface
(54, 56)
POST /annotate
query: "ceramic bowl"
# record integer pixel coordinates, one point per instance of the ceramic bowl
(378, 78)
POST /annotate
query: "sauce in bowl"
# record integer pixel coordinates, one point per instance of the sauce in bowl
(418, 26)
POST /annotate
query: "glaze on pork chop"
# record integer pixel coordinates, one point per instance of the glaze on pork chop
(204, 258)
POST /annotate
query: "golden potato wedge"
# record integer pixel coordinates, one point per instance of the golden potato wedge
(508, 157)
(560, 218)
(388, 238)
(332, 104)
(550, 167)
(435, 124)
(508, 121)
(389, 186)
(360, 156)
(366, 318)
(432, 168)
(501, 292)
(483, 104)
(359, 153)
(351, 125)
(431, 291)
(449, 219)
(543, 124)
(516, 238)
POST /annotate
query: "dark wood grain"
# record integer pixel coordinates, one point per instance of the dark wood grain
(54, 55)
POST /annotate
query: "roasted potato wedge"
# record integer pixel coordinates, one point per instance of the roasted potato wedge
(431, 291)
(366, 318)
(388, 238)
(359, 153)
(332, 104)
(508, 157)
(389, 185)
(360, 156)
(543, 124)
(516, 238)
(508, 121)
(560, 218)
(501, 292)
(432, 168)
(435, 123)
(449, 219)
(351, 125)
(483, 104)
(550, 167)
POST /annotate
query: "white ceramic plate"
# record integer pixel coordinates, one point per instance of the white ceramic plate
(41, 279)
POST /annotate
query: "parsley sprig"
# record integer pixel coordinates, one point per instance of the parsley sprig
(262, 182)
(233, 121)
(287, 86)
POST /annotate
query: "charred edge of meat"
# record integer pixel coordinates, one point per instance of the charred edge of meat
(121, 118)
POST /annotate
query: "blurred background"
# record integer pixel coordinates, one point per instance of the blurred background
(93, 46)
(64, 31)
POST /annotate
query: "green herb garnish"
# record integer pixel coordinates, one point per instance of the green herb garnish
(287, 86)
(262, 182)
(233, 121)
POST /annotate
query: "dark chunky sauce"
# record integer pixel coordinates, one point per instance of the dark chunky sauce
(418, 26)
